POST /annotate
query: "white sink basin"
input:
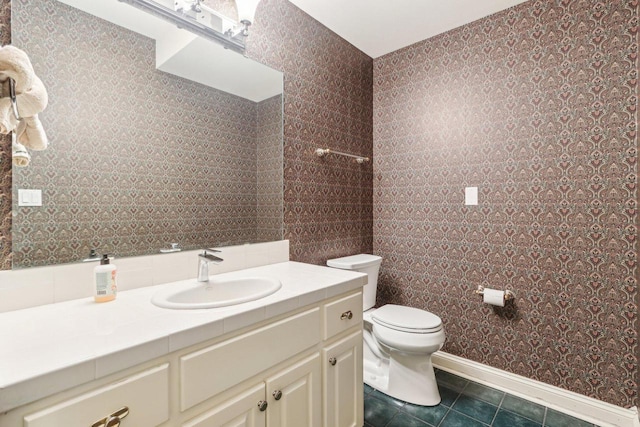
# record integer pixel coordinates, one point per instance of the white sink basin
(216, 292)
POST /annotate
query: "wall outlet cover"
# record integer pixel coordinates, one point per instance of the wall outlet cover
(471, 196)
(29, 197)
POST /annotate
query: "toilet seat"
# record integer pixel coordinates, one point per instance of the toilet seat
(407, 319)
(407, 329)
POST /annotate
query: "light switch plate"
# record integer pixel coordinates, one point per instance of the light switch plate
(471, 196)
(29, 197)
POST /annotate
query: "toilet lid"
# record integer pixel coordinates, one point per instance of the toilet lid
(355, 262)
(407, 319)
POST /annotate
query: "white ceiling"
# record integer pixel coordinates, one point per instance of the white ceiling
(378, 27)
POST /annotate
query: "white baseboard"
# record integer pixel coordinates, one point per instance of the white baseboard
(574, 404)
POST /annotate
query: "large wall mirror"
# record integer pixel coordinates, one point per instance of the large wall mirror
(157, 136)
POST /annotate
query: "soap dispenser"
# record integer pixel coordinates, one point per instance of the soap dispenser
(105, 280)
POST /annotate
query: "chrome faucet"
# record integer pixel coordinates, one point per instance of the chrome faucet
(204, 259)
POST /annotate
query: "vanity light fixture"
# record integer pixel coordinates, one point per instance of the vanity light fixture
(246, 13)
(196, 16)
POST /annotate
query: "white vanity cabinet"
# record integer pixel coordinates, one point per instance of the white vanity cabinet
(294, 395)
(290, 394)
(323, 389)
(301, 369)
(343, 398)
(216, 368)
(342, 386)
(291, 397)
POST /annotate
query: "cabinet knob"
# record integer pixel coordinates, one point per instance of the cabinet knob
(333, 361)
(277, 395)
(262, 405)
(348, 315)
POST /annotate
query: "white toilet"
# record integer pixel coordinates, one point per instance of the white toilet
(398, 340)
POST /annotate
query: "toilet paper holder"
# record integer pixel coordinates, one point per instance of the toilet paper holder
(508, 295)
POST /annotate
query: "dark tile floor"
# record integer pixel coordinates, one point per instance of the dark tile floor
(464, 404)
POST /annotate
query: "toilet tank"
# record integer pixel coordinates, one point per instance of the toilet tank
(363, 263)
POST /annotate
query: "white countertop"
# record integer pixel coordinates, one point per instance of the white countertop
(50, 348)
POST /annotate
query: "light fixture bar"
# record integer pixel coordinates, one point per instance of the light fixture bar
(182, 21)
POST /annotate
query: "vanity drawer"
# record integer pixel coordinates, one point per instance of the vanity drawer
(145, 394)
(342, 314)
(207, 372)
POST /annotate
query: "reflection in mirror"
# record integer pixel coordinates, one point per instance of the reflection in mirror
(155, 137)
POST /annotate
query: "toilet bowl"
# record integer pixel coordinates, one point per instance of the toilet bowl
(398, 340)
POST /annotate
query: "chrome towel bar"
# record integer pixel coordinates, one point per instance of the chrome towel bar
(359, 159)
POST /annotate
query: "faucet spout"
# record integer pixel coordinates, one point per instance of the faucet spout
(203, 263)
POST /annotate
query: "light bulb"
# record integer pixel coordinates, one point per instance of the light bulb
(246, 10)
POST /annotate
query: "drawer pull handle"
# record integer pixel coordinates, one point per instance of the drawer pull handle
(277, 395)
(113, 419)
(262, 405)
(348, 315)
(333, 361)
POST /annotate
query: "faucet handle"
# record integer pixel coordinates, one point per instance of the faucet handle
(209, 256)
(93, 256)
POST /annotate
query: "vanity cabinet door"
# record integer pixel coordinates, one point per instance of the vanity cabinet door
(242, 410)
(237, 359)
(342, 378)
(295, 396)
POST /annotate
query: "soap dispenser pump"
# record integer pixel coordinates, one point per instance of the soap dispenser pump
(105, 280)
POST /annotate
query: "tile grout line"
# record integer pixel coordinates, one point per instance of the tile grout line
(474, 397)
(499, 407)
(394, 415)
(410, 416)
(449, 408)
(526, 417)
(498, 410)
(445, 416)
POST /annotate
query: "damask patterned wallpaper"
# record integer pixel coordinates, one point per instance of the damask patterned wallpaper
(536, 106)
(269, 169)
(138, 158)
(327, 103)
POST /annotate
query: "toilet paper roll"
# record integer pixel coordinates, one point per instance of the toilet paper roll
(493, 297)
